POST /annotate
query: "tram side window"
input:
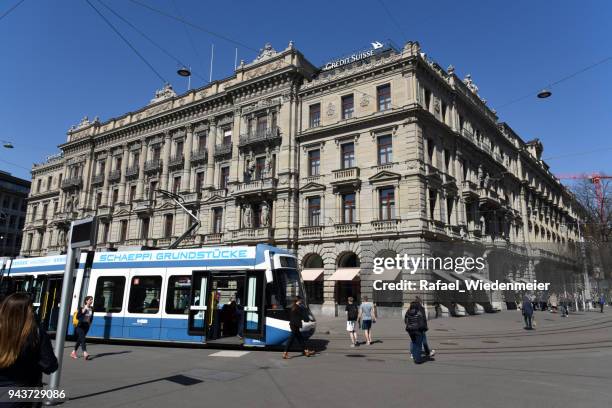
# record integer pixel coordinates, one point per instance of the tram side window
(145, 293)
(108, 297)
(177, 299)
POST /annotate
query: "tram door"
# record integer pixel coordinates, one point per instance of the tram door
(50, 303)
(198, 310)
(254, 305)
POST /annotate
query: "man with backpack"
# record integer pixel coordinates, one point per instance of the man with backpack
(352, 313)
(416, 326)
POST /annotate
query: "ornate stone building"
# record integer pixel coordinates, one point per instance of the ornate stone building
(377, 154)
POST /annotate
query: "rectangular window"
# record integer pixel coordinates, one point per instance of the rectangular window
(105, 231)
(385, 150)
(199, 181)
(152, 188)
(98, 199)
(386, 201)
(202, 141)
(314, 211)
(115, 196)
(176, 185)
(118, 161)
(227, 136)
(449, 210)
(44, 211)
(224, 177)
(177, 296)
(108, 297)
(217, 220)
(55, 204)
(433, 196)
(135, 159)
(260, 164)
(16, 204)
(257, 216)
(347, 106)
(348, 208)
(132, 195)
(156, 153)
(274, 120)
(34, 211)
(123, 231)
(262, 124)
(145, 293)
(38, 185)
(169, 220)
(314, 162)
(179, 148)
(144, 228)
(59, 179)
(447, 165)
(348, 155)
(315, 115)
(383, 96)
(49, 182)
(427, 100)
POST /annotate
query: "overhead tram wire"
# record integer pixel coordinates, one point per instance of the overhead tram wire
(198, 27)
(565, 78)
(189, 37)
(162, 49)
(127, 42)
(7, 12)
(393, 20)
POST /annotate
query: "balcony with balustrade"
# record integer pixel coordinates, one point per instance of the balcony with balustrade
(212, 239)
(199, 156)
(132, 171)
(343, 230)
(104, 211)
(255, 187)
(97, 179)
(469, 190)
(385, 226)
(114, 175)
(143, 207)
(152, 166)
(346, 176)
(489, 196)
(72, 183)
(176, 162)
(265, 136)
(311, 232)
(263, 234)
(223, 149)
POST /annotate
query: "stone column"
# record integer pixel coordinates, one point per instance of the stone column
(105, 187)
(141, 173)
(186, 178)
(210, 163)
(165, 159)
(85, 183)
(124, 163)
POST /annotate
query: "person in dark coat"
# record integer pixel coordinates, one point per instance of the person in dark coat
(297, 315)
(428, 351)
(527, 312)
(85, 317)
(25, 348)
(416, 325)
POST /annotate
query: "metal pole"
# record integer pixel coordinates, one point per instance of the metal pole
(586, 292)
(64, 315)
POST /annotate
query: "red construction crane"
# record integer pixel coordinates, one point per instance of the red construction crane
(595, 178)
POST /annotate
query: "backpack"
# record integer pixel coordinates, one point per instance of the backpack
(414, 320)
(75, 319)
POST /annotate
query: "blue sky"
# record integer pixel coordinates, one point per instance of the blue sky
(60, 61)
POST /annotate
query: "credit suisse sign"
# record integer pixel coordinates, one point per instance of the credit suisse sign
(358, 56)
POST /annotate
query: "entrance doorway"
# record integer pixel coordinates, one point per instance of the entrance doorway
(226, 300)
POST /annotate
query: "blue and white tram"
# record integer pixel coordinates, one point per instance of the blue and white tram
(226, 295)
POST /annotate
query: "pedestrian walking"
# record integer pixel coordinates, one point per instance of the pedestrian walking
(428, 352)
(367, 316)
(25, 348)
(352, 313)
(564, 306)
(416, 325)
(527, 312)
(84, 319)
(602, 302)
(297, 315)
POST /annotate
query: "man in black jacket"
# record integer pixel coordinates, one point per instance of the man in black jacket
(428, 352)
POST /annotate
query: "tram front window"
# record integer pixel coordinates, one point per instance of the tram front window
(283, 289)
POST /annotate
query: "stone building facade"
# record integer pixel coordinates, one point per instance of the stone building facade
(378, 154)
(13, 195)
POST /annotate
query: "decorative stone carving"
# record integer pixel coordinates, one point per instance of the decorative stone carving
(364, 100)
(265, 214)
(450, 70)
(268, 166)
(265, 53)
(470, 84)
(162, 94)
(331, 109)
(247, 217)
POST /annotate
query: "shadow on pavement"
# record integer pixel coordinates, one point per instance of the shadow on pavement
(95, 356)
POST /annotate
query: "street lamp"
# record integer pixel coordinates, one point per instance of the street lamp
(544, 93)
(185, 72)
